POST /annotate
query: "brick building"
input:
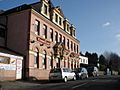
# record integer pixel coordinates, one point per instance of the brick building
(42, 34)
(10, 61)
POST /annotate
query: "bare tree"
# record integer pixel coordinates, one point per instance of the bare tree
(113, 60)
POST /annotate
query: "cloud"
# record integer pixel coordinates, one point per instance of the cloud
(106, 24)
(117, 37)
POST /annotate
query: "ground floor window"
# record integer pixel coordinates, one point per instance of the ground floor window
(51, 62)
(72, 64)
(44, 60)
(58, 63)
(68, 63)
(64, 63)
(36, 58)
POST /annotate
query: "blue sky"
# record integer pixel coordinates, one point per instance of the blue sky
(97, 22)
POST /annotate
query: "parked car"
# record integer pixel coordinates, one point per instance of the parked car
(92, 71)
(64, 74)
(81, 73)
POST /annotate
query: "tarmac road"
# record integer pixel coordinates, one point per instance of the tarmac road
(97, 83)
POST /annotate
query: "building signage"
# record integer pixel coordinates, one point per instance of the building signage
(43, 41)
(7, 67)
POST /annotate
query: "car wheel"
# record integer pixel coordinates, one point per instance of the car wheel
(93, 74)
(86, 76)
(65, 79)
(82, 77)
(74, 78)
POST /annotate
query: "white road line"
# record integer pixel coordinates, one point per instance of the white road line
(78, 85)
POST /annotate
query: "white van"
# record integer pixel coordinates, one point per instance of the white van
(64, 74)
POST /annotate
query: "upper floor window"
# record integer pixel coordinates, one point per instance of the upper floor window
(64, 40)
(71, 46)
(37, 27)
(68, 43)
(77, 49)
(83, 60)
(45, 31)
(45, 9)
(73, 32)
(56, 17)
(60, 21)
(56, 36)
(51, 34)
(60, 38)
(74, 47)
(67, 27)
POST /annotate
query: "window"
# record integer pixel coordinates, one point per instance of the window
(64, 63)
(58, 63)
(77, 49)
(75, 64)
(74, 47)
(44, 60)
(37, 27)
(64, 40)
(83, 60)
(71, 46)
(68, 43)
(68, 63)
(71, 31)
(51, 34)
(51, 62)
(45, 31)
(36, 58)
(72, 64)
(45, 9)
(60, 38)
(56, 17)
(56, 37)
(67, 27)
(60, 21)
(74, 32)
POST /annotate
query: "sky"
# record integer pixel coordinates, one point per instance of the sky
(97, 22)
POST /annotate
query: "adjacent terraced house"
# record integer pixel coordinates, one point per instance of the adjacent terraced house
(42, 34)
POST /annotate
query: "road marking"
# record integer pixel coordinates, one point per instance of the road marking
(79, 85)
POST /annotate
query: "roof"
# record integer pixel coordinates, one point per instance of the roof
(36, 6)
(17, 9)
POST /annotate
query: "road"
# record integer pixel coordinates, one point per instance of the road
(98, 83)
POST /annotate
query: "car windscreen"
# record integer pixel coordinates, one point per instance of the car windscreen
(78, 70)
(55, 70)
(90, 69)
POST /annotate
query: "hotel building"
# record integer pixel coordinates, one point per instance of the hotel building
(42, 34)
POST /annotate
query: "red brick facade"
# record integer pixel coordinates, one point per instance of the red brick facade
(42, 34)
